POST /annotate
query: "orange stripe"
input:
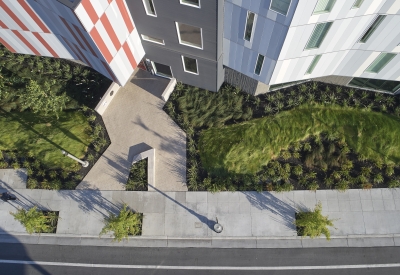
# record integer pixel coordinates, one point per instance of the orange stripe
(130, 56)
(101, 45)
(11, 49)
(90, 11)
(110, 31)
(26, 42)
(84, 40)
(109, 71)
(3, 25)
(47, 46)
(33, 15)
(72, 32)
(125, 15)
(13, 16)
(109, 1)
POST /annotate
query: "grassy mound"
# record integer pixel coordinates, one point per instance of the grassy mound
(244, 148)
(45, 137)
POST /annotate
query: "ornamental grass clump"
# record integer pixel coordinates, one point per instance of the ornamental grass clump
(125, 224)
(313, 224)
(36, 221)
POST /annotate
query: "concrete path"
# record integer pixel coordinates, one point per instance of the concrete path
(135, 123)
(13, 178)
(192, 214)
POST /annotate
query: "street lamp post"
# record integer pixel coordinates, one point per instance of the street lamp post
(217, 227)
(84, 163)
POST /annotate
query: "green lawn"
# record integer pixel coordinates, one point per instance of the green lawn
(244, 148)
(45, 137)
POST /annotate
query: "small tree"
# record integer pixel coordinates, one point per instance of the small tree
(124, 224)
(313, 223)
(35, 221)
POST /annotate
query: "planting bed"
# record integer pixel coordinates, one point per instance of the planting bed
(309, 136)
(137, 180)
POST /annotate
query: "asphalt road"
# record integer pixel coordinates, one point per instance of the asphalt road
(51, 259)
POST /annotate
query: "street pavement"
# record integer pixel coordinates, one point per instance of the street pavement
(192, 215)
(53, 259)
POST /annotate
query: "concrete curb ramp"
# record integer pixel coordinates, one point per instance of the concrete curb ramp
(213, 242)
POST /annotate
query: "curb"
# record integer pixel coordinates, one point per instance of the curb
(212, 242)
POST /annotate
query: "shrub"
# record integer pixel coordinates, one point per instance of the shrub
(125, 224)
(36, 221)
(285, 187)
(394, 183)
(313, 224)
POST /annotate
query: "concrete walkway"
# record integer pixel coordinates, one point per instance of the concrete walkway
(191, 215)
(135, 123)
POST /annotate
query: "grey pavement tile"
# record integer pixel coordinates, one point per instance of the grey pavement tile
(69, 240)
(354, 194)
(212, 208)
(387, 194)
(287, 197)
(382, 222)
(396, 241)
(324, 205)
(153, 204)
(28, 239)
(332, 195)
(244, 208)
(343, 196)
(273, 225)
(180, 197)
(234, 243)
(212, 197)
(153, 224)
(234, 208)
(346, 223)
(333, 206)
(309, 196)
(378, 205)
(234, 196)
(389, 204)
(371, 242)
(48, 239)
(355, 205)
(344, 206)
(367, 205)
(185, 225)
(320, 195)
(223, 197)
(202, 208)
(191, 197)
(223, 208)
(278, 243)
(193, 242)
(397, 203)
(323, 242)
(395, 193)
(201, 196)
(365, 194)
(376, 194)
(235, 225)
(298, 196)
(191, 206)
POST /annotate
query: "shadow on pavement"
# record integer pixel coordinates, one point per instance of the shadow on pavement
(202, 218)
(12, 249)
(284, 213)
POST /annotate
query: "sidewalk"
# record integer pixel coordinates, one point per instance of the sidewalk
(248, 216)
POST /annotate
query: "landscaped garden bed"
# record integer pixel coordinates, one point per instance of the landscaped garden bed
(309, 136)
(37, 221)
(137, 180)
(44, 109)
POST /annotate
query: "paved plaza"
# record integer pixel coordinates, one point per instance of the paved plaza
(135, 123)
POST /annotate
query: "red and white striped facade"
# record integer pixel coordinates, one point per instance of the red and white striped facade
(99, 33)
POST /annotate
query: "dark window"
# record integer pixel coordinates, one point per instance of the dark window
(280, 6)
(376, 84)
(189, 35)
(191, 2)
(162, 70)
(149, 6)
(372, 28)
(190, 64)
(249, 25)
(260, 61)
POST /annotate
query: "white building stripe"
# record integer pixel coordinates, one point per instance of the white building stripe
(117, 22)
(84, 17)
(106, 38)
(20, 47)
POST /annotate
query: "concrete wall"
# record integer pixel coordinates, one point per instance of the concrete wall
(162, 26)
(341, 54)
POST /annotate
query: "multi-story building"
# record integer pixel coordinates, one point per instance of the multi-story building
(258, 45)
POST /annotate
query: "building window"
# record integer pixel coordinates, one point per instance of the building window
(193, 3)
(357, 4)
(190, 65)
(313, 63)
(153, 39)
(162, 70)
(324, 6)
(380, 62)
(149, 7)
(259, 64)
(249, 25)
(372, 28)
(280, 6)
(318, 35)
(376, 84)
(189, 35)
